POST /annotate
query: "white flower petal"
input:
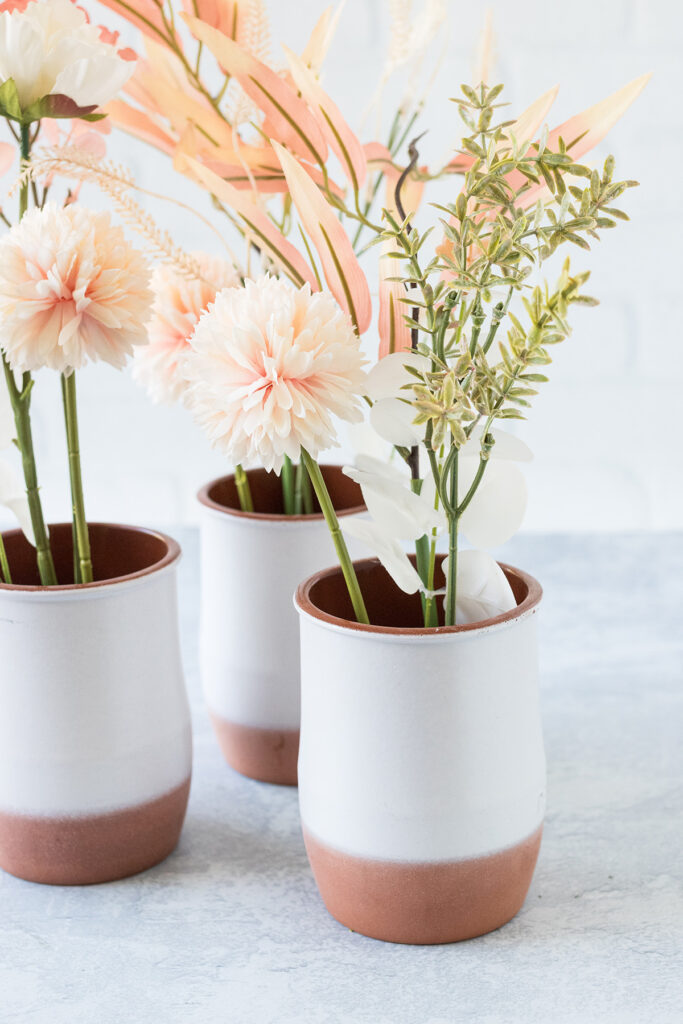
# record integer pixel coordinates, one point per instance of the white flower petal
(507, 447)
(366, 441)
(50, 48)
(396, 510)
(13, 497)
(497, 509)
(389, 551)
(388, 376)
(482, 589)
(94, 80)
(393, 420)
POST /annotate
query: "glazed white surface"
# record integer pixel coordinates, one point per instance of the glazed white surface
(94, 709)
(420, 748)
(249, 635)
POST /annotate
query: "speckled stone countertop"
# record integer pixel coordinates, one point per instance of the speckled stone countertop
(231, 929)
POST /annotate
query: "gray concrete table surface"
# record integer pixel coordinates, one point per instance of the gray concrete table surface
(231, 928)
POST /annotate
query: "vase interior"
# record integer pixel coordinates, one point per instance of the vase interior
(117, 552)
(266, 492)
(387, 605)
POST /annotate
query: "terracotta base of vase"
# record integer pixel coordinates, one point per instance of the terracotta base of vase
(83, 850)
(424, 903)
(267, 755)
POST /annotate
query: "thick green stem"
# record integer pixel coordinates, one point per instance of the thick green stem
(243, 490)
(340, 547)
(81, 536)
(306, 491)
(303, 499)
(453, 519)
(21, 403)
(4, 564)
(288, 486)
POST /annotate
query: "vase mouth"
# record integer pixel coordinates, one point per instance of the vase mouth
(220, 496)
(120, 554)
(324, 597)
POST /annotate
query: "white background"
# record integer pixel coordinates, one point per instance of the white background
(606, 430)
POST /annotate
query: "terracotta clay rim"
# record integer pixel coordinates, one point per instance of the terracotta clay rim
(304, 604)
(172, 555)
(270, 517)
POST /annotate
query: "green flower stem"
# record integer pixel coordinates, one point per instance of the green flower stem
(303, 499)
(421, 552)
(330, 515)
(288, 486)
(431, 610)
(453, 519)
(21, 403)
(4, 564)
(25, 156)
(306, 491)
(81, 537)
(243, 490)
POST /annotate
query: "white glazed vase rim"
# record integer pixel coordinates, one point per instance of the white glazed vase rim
(204, 498)
(170, 558)
(306, 606)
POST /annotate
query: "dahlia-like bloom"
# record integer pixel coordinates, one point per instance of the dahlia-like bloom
(49, 49)
(72, 289)
(178, 304)
(269, 366)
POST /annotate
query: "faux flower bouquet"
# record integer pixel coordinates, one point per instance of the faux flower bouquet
(72, 290)
(466, 322)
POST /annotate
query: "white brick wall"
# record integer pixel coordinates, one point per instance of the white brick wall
(606, 431)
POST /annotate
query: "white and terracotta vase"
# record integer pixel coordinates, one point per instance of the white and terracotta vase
(251, 565)
(95, 739)
(421, 770)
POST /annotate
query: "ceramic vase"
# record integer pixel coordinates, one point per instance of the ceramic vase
(422, 770)
(251, 565)
(95, 739)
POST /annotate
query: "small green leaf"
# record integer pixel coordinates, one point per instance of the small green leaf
(9, 100)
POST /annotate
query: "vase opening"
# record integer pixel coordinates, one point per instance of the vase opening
(326, 597)
(266, 492)
(118, 552)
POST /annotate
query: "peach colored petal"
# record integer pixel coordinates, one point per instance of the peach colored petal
(7, 155)
(316, 48)
(144, 14)
(140, 125)
(290, 119)
(592, 125)
(394, 332)
(260, 227)
(72, 290)
(178, 304)
(528, 123)
(342, 271)
(343, 141)
(225, 15)
(269, 366)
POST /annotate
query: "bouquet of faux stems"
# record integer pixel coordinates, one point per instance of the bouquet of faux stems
(71, 288)
(265, 349)
(466, 322)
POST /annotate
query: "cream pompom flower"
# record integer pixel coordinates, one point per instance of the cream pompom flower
(72, 289)
(178, 304)
(269, 366)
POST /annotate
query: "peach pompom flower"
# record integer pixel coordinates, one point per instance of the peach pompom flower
(178, 304)
(72, 289)
(269, 366)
